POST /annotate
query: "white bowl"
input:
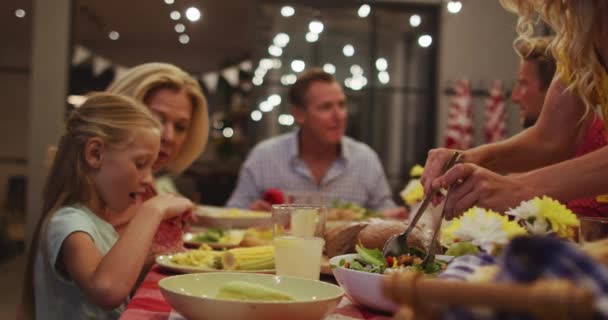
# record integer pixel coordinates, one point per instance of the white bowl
(361, 288)
(193, 296)
(365, 288)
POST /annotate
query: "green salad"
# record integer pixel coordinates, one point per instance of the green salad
(372, 260)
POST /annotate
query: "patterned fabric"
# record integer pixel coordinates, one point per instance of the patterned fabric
(149, 303)
(356, 176)
(527, 259)
(595, 138)
(459, 131)
(462, 268)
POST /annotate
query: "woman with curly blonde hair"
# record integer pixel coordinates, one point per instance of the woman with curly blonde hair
(176, 98)
(541, 152)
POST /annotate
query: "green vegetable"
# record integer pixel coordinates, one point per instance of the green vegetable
(433, 267)
(462, 248)
(371, 256)
(355, 265)
(415, 251)
(211, 235)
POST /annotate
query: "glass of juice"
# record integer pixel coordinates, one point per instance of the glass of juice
(306, 197)
(298, 239)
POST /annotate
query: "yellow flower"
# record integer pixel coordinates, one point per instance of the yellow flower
(563, 221)
(413, 192)
(416, 171)
(448, 229)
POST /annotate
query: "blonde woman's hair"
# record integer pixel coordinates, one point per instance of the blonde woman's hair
(576, 23)
(111, 117)
(144, 80)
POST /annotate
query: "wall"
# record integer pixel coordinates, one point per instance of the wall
(14, 90)
(476, 44)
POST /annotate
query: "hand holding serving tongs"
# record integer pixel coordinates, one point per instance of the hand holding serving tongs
(397, 244)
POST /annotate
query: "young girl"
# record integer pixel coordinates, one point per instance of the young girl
(78, 267)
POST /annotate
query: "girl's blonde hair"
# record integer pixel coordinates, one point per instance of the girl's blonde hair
(142, 81)
(110, 117)
(576, 23)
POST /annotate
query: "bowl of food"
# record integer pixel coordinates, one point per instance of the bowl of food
(360, 274)
(219, 296)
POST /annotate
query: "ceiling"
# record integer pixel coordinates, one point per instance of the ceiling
(228, 32)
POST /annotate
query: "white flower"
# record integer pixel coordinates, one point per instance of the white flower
(528, 213)
(526, 209)
(484, 230)
(540, 226)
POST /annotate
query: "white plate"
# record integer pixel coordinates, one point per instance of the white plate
(191, 242)
(164, 261)
(228, 218)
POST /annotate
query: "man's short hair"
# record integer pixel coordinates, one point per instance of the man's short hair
(297, 92)
(536, 50)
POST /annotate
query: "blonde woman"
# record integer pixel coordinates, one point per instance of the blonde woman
(176, 98)
(581, 49)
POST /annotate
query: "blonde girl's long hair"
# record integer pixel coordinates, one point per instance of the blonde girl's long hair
(142, 81)
(576, 24)
(108, 116)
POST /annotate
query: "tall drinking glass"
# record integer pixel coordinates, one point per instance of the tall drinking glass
(592, 229)
(306, 197)
(298, 239)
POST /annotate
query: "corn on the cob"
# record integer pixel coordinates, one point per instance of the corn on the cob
(252, 258)
(241, 290)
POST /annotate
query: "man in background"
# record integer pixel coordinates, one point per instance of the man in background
(535, 73)
(317, 157)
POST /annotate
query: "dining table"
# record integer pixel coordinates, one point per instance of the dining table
(148, 303)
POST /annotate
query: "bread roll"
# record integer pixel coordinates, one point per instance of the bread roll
(375, 235)
(342, 238)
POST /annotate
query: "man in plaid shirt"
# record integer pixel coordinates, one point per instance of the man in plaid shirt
(317, 157)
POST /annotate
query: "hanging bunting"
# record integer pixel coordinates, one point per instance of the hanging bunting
(100, 65)
(210, 80)
(119, 71)
(81, 54)
(246, 65)
(231, 75)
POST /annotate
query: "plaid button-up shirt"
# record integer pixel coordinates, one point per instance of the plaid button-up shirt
(356, 176)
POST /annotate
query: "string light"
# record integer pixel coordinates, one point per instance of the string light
(415, 20)
(454, 6)
(364, 10)
(287, 11)
(193, 14)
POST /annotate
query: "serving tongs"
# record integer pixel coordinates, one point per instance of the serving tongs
(397, 244)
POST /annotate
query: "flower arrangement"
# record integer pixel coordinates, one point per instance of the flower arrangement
(413, 191)
(544, 216)
(479, 228)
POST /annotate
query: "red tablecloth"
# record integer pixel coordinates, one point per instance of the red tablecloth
(148, 303)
